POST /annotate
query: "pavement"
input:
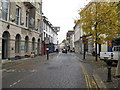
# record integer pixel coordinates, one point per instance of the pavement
(100, 72)
(6, 64)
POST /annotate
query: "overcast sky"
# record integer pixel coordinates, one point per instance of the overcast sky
(62, 13)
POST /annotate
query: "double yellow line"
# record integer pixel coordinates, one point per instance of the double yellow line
(86, 77)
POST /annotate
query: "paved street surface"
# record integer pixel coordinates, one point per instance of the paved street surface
(61, 71)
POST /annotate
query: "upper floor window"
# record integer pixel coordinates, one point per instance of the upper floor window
(39, 8)
(46, 27)
(33, 1)
(43, 25)
(27, 18)
(44, 35)
(17, 19)
(38, 25)
(5, 9)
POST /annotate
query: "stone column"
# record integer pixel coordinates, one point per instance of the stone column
(30, 47)
(11, 49)
(36, 48)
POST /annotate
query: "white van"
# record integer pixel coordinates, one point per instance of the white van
(113, 56)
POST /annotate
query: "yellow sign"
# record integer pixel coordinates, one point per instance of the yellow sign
(109, 43)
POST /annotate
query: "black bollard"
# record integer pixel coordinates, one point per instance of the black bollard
(47, 54)
(109, 74)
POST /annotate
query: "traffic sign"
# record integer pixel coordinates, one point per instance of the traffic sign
(84, 40)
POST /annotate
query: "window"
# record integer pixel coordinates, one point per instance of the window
(39, 8)
(33, 44)
(43, 25)
(0, 9)
(46, 27)
(5, 9)
(27, 18)
(32, 1)
(17, 15)
(26, 44)
(17, 43)
(38, 25)
(44, 35)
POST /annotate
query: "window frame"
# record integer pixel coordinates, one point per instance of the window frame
(27, 19)
(39, 8)
(4, 10)
(17, 17)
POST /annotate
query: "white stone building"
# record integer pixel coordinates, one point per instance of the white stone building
(50, 32)
(72, 41)
(77, 35)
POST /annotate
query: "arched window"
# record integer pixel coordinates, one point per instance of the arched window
(17, 43)
(38, 47)
(26, 44)
(5, 44)
(33, 44)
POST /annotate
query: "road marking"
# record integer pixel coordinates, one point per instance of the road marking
(94, 82)
(10, 67)
(15, 83)
(86, 77)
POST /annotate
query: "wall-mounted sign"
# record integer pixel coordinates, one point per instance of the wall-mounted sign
(84, 40)
(109, 43)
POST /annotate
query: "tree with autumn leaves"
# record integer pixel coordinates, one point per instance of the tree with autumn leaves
(101, 21)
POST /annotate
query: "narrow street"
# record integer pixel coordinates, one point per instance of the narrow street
(61, 71)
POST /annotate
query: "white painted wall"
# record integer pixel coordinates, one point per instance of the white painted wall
(76, 33)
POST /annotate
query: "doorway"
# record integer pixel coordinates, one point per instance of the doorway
(38, 47)
(5, 44)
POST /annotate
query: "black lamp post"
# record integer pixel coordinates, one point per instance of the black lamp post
(84, 42)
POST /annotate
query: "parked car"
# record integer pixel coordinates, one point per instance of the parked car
(112, 56)
(64, 50)
(73, 50)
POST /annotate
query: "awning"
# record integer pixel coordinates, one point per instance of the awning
(117, 38)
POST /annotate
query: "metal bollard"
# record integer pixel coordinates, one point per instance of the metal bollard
(47, 54)
(109, 74)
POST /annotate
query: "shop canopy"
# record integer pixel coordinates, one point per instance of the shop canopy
(117, 38)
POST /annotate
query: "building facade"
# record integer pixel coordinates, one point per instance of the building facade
(77, 35)
(50, 32)
(90, 45)
(20, 25)
(69, 40)
(72, 46)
